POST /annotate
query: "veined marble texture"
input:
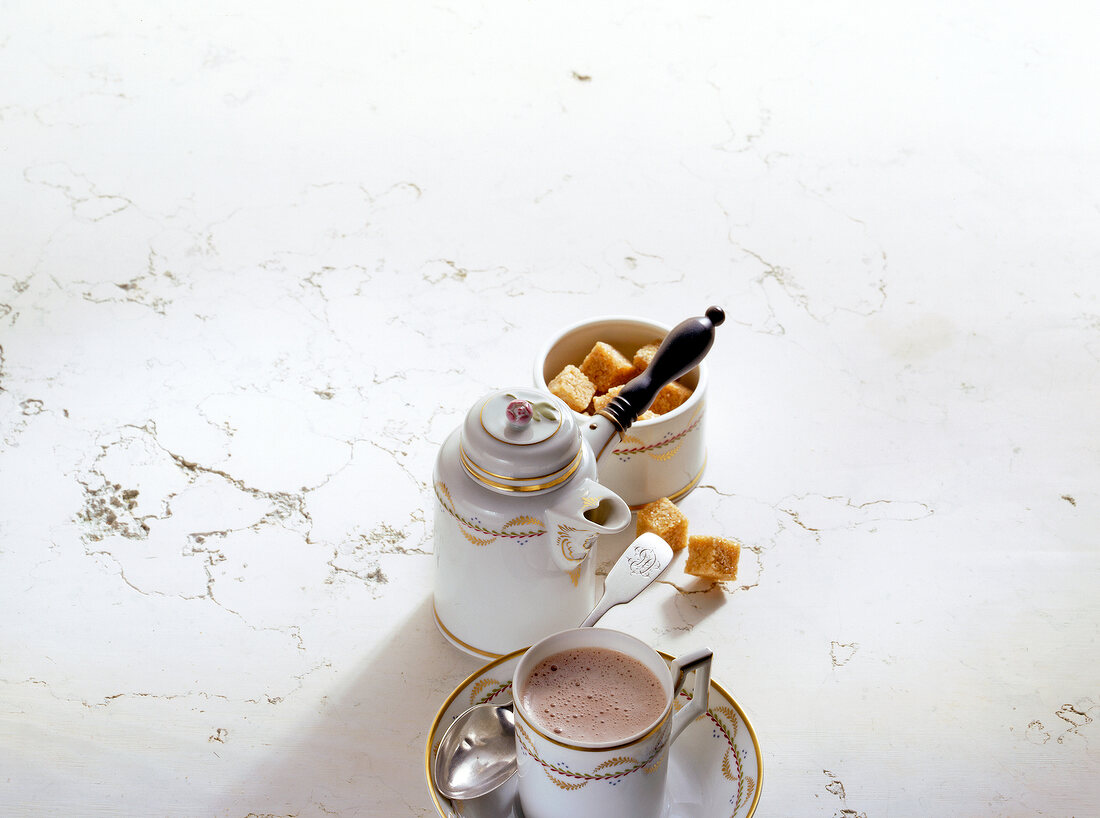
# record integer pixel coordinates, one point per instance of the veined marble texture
(257, 260)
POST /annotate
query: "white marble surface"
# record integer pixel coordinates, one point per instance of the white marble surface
(256, 260)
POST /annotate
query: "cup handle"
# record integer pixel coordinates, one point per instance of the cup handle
(699, 661)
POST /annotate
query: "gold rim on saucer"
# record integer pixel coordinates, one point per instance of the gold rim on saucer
(438, 799)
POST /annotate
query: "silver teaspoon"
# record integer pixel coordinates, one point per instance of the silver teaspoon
(478, 751)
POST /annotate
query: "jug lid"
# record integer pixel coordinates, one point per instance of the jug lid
(520, 440)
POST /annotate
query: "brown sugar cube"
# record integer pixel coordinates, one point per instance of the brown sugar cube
(600, 402)
(573, 387)
(644, 355)
(606, 367)
(712, 557)
(664, 519)
(670, 397)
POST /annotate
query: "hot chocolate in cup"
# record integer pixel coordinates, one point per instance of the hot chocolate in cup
(595, 722)
(593, 695)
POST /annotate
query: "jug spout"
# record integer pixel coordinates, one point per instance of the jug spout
(579, 517)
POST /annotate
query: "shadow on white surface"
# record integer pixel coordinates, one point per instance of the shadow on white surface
(349, 757)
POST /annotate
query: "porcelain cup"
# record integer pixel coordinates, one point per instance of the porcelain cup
(660, 457)
(625, 778)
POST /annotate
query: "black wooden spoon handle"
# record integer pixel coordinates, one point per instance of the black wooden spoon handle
(683, 349)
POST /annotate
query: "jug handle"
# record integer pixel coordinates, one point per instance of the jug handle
(578, 519)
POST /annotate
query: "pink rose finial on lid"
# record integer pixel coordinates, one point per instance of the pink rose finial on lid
(520, 413)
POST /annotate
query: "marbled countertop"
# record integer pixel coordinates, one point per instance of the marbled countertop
(257, 260)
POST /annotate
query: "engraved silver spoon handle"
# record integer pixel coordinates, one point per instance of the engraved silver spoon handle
(641, 563)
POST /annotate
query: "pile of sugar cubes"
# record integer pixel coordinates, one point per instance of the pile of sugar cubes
(588, 388)
(709, 557)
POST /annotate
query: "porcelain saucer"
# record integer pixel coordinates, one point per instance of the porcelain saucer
(714, 768)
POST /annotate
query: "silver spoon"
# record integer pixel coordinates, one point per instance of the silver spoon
(478, 751)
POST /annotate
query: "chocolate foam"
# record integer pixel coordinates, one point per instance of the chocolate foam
(593, 695)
